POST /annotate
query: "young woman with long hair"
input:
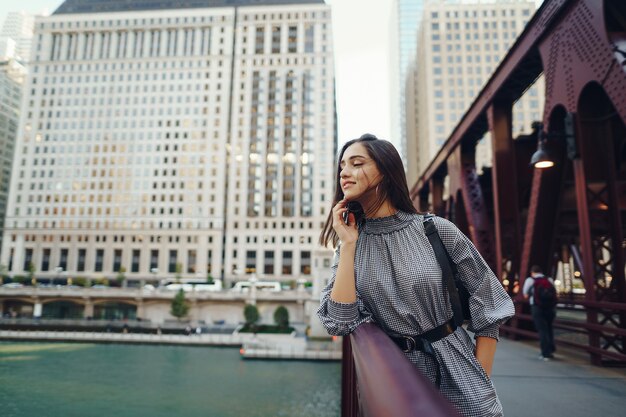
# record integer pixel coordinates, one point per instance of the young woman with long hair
(386, 271)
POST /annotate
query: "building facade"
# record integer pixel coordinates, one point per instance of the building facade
(194, 139)
(18, 26)
(404, 25)
(12, 76)
(460, 45)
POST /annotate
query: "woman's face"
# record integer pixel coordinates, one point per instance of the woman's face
(358, 174)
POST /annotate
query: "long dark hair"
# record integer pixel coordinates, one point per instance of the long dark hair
(393, 185)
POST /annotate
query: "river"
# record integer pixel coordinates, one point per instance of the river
(93, 380)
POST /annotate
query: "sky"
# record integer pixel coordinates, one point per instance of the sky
(361, 40)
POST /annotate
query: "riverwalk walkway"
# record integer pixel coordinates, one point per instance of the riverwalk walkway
(568, 386)
(253, 346)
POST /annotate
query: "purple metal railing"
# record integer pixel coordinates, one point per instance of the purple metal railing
(379, 381)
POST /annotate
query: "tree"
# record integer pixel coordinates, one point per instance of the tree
(179, 270)
(121, 276)
(251, 315)
(281, 317)
(179, 308)
(31, 273)
(209, 279)
(3, 273)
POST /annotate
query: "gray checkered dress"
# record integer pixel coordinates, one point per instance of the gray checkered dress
(399, 287)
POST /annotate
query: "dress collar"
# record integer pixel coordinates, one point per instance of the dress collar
(388, 224)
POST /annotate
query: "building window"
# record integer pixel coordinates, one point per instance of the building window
(259, 41)
(154, 260)
(276, 40)
(309, 36)
(173, 258)
(99, 260)
(269, 262)
(287, 262)
(293, 39)
(45, 260)
(305, 262)
(63, 259)
(250, 262)
(117, 260)
(191, 261)
(80, 262)
(209, 257)
(134, 266)
(28, 258)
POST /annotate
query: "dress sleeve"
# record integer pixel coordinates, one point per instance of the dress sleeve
(340, 319)
(490, 305)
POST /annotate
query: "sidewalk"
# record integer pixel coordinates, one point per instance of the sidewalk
(568, 386)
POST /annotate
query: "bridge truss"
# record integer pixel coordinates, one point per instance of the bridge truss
(571, 218)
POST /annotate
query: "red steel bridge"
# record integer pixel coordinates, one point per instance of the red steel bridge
(569, 218)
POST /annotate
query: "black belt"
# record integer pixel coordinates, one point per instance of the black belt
(423, 342)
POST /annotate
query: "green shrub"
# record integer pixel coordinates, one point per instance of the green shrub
(179, 306)
(251, 315)
(281, 317)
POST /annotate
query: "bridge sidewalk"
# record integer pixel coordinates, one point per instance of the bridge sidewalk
(568, 386)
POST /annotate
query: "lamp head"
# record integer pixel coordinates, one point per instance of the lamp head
(541, 158)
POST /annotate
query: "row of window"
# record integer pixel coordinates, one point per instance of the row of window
(187, 42)
(94, 260)
(476, 13)
(184, 20)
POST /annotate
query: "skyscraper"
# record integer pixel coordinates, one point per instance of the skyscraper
(18, 26)
(12, 75)
(460, 45)
(405, 18)
(156, 138)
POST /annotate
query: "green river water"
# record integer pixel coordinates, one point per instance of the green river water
(64, 380)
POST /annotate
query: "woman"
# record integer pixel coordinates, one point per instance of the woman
(386, 272)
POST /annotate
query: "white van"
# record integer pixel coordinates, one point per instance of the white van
(177, 287)
(244, 286)
(217, 286)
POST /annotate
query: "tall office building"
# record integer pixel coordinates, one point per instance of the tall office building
(172, 136)
(12, 75)
(404, 24)
(460, 46)
(18, 26)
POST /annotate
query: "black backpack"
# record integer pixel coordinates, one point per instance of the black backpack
(458, 294)
(544, 293)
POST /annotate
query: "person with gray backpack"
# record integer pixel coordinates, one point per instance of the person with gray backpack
(541, 293)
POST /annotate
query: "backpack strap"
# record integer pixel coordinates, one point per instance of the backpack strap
(448, 268)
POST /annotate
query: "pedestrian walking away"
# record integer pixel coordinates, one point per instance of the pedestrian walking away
(387, 271)
(540, 292)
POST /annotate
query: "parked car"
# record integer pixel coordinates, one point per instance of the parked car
(13, 285)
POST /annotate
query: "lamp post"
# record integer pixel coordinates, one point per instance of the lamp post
(253, 280)
(154, 272)
(58, 270)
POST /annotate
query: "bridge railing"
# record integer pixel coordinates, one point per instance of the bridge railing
(588, 326)
(378, 380)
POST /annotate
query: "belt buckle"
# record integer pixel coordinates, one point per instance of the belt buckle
(410, 343)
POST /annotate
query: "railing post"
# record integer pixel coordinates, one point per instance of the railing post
(349, 396)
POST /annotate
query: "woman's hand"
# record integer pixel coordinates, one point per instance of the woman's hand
(347, 233)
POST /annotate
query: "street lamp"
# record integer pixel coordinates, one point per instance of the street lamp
(58, 270)
(253, 280)
(154, 272)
